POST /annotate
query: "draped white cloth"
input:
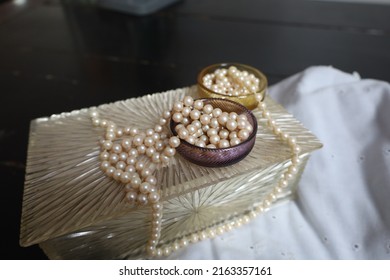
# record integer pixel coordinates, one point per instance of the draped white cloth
(342, 209)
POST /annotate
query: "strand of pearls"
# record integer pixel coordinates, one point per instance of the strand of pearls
(231, 81)
(219, 229)
(124, 156)
(124, 151)
(203, 125)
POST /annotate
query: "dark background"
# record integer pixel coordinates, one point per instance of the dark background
(57, 56)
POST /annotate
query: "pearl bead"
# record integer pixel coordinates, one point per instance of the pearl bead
(235, 141)
(174, 142)
(130, 168)
(177, 117)
(222, 119)
(166, 114)
(178, 106)
(113, 158)
(120, 165)
(213, 123)
(195, 114)
(243, 134)
(138, 140)
(107, 145)
(125, 177)
(141, 149)
(131, 196)
(169, 152)
(150, 151)
(142, 199)
(139, 166)
(135, 182)
(186, 111)
(131, 160)
(183, 133)
(205, 119)
(211, 132)
(116, 148)
(151, 180)
(148, 141)
(153, 197)
(105, 165)
(223, 143)
(117, 174)
(144, 187)
(104, 156)
(198, 104)
(214, 139)
(188, 101)
(231, 124)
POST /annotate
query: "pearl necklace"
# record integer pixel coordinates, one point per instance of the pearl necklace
(125, 162)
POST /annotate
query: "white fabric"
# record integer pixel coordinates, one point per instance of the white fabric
(342, 209)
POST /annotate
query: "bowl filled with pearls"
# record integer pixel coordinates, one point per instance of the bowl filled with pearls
(238, 82)
(213, 132)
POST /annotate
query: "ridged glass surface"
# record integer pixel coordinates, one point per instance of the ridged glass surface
(67, 195)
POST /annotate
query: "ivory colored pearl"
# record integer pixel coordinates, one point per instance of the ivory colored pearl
(125, 177)
(197, 124)
(217, 112)
(117, 174)
(243, 134)
(138, 140)
(144, 187)
(169, 151)
(214, 139)
(148, 141)
(200, 143)
(113, 158)
(142, 199)
(116, 148)
(150, 151)
(183, 133)
(223, 143)
(107, 145)
(222, 119)
(146, 172)
(104, 155)
(195, 114)
(141, 149)
(166, 114)
(231, 124)
(191, 129)
(198, 104)
(235, 141)
(153, 197)
(151, 180)
(174, 142)
(105, 165)
(190, 139)
(131, 196)
(178, 106)
(188, 101)
(205, 119)
(120, 165)
(131, 160)
(186, 111)
(130, 168)
(224, 134)
(139, 166)
(177, 117)
(211, 132)
(208, 109)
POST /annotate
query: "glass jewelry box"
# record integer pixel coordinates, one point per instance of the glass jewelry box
(73, 211)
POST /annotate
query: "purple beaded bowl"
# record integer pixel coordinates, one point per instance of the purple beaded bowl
(222, 156)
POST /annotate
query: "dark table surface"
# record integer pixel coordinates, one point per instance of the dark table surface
(57, 56)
